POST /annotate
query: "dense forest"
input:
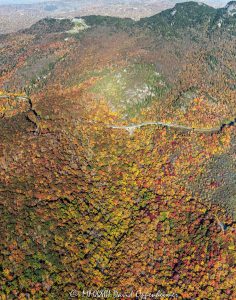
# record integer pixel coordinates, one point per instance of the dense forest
(117, 156)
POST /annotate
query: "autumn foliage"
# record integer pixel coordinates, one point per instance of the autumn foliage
(88, 206)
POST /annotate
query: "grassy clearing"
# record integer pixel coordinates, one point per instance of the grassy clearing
(130, 89)
(78, 25)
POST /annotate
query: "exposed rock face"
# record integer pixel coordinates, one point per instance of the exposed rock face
(11, 106)
(231, 8)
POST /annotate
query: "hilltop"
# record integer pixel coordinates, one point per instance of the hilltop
(20, 16)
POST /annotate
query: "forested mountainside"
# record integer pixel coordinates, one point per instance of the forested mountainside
(117, 156)
(15, 15)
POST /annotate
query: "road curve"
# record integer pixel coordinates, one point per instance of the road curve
(131, 128)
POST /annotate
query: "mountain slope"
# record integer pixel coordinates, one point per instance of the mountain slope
(117, 157)
(192, 16)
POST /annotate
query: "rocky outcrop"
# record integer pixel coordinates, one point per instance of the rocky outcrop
(11, 106)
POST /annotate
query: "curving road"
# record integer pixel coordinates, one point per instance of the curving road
(133, 127)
